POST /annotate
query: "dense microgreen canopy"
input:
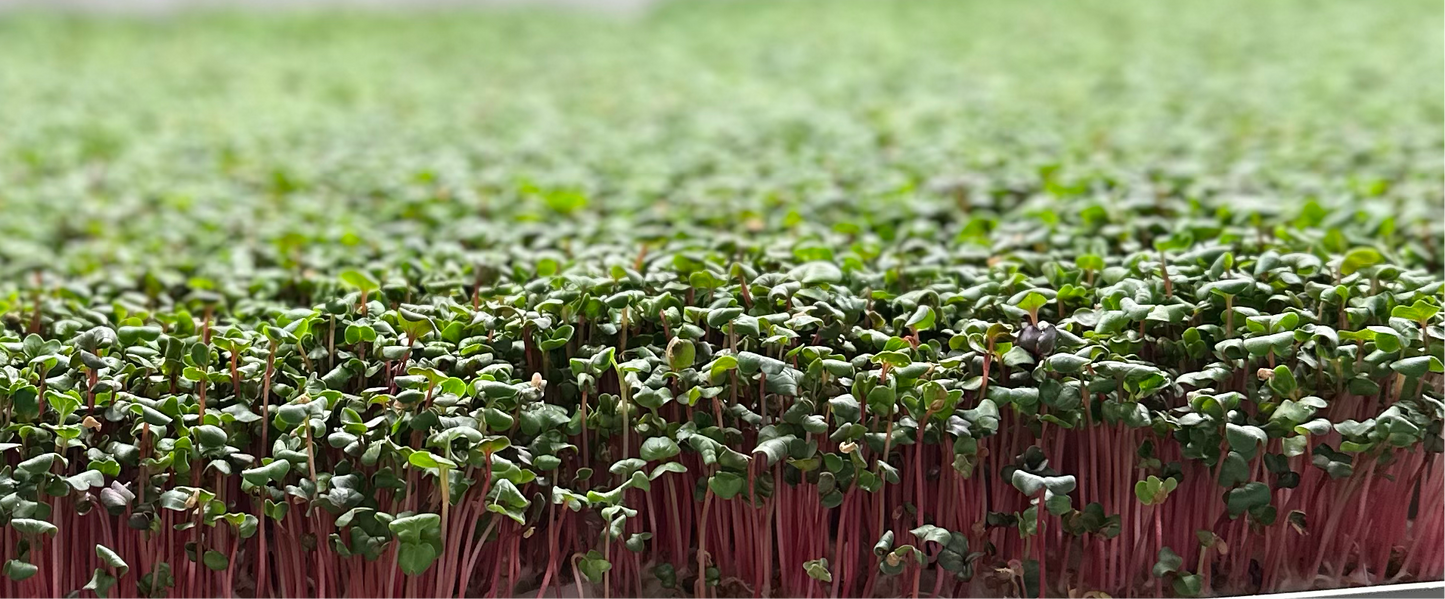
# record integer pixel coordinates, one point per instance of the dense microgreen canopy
(438, 311)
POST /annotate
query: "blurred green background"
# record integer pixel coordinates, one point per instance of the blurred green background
(144, 137)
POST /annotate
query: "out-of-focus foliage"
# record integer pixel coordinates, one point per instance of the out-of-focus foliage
(229, 142)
